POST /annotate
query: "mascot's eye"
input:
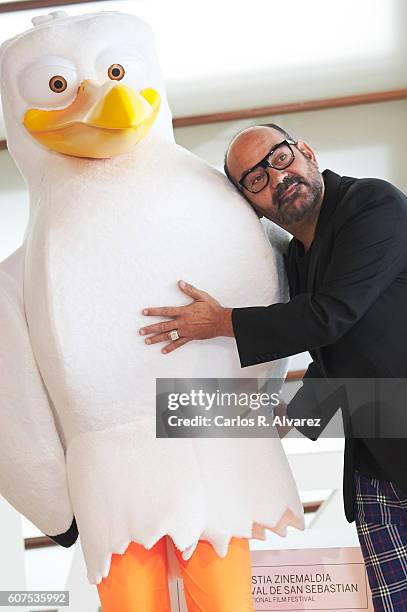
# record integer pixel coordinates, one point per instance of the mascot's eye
(48, 82)
(116, 72)
(132, 68)
(58, 84)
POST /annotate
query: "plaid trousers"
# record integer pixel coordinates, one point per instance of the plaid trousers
(381, 521)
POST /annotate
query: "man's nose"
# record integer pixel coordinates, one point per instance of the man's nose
(276, 176)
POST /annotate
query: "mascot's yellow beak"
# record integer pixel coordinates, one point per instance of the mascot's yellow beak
(103, 121)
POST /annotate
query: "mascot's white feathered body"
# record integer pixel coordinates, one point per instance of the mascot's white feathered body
(119, 212)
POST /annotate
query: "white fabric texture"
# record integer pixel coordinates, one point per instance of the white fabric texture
(106, 239)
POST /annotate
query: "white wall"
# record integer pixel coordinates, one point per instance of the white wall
(366, 140)
(13, 206)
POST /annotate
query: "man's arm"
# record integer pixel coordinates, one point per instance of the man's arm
(317, 399)
(369, 252)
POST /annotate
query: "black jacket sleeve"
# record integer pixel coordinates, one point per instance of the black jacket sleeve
(68, 538)
(318, 398)
(369, 252)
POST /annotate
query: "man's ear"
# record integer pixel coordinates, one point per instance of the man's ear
(307, 151)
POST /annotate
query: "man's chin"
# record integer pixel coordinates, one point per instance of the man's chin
(294, 209)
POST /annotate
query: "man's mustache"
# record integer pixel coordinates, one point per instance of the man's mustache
(282, 187)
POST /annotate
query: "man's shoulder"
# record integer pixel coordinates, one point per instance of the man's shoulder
(371, 194)
(371, 186)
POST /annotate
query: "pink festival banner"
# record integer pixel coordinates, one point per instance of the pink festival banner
(323, 579)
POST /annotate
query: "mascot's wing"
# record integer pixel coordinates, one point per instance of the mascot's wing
(32, 460)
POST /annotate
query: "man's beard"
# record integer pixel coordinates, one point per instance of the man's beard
(288, 214)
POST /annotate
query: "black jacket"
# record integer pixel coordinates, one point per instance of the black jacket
(352, 317)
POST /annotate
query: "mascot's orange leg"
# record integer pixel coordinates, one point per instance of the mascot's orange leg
(215, 584)
(138, 582)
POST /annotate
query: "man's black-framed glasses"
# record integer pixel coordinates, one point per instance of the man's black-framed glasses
(279, 158)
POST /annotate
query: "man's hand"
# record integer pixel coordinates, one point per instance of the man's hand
(202, 319)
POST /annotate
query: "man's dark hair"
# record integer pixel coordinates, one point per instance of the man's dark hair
(269, 125)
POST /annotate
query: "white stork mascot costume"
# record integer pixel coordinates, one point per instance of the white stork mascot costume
(118, 213)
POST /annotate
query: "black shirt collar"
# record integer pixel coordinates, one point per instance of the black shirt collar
(332, 183)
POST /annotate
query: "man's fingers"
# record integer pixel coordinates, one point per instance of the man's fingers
(164, 311)
(158, 328)
(192, 291)
(174, 345)
(159, 338)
